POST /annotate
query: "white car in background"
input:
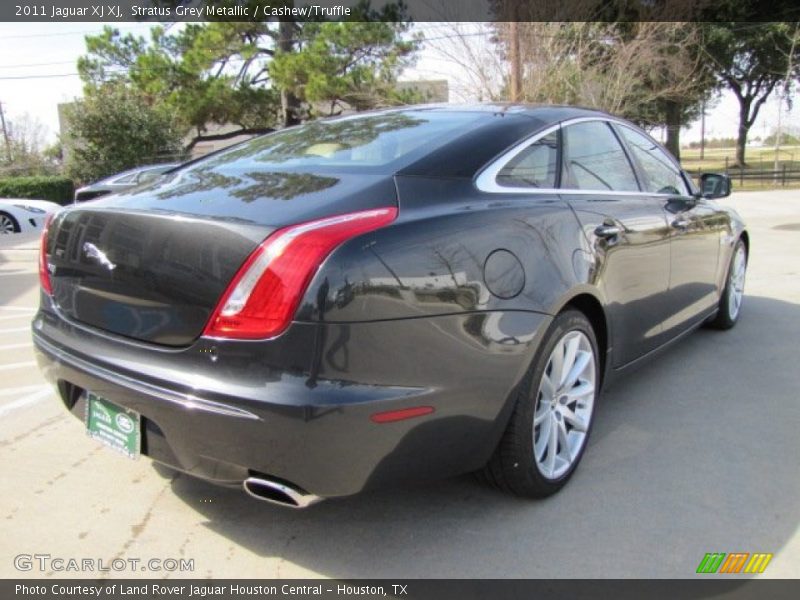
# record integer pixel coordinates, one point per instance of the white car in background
(20, 215)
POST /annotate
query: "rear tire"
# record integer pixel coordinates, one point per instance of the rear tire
(8, 224)
(553, 415)
(730, 303)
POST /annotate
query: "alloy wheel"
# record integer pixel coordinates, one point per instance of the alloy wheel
(736, 283)
(6, 225)
(564, 404)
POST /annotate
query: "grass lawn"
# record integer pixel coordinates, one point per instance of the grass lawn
(759, 159)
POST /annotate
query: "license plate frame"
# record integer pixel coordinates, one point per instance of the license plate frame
(114, 426)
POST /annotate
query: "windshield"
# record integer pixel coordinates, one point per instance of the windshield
(383, 142)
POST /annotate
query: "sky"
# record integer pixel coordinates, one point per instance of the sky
(37, 72)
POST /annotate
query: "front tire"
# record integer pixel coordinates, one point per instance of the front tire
(730, 303)
(554, 411)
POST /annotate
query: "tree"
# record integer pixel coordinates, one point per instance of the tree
(640, 60)
(115, 128)
(29, 155)
(471, 47)
(751, 59)
(345, 64)
(220, 72)
(651, 72)
(206, 73)
(682, 81)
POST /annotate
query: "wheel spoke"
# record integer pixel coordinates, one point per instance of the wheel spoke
(572, 344)
(552, 448)
(544, 437)
(557, 362)
(570, 417)
(562, 440)
(547, 388)
(581, 391)
(541, 414)
(581, 362)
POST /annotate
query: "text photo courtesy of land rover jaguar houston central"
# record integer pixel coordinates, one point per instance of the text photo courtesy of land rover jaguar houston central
(382, 298)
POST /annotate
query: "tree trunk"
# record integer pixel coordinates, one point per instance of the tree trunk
(516, 62)
(673, 118)
(290, 104)
(744, 129)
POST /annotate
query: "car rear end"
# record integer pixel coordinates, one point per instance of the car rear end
(185, 321)
(184, 324)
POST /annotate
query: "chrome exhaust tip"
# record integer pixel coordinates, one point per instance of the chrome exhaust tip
(278, 493)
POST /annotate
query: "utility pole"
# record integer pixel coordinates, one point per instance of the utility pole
(781, 98)
(5, 132)
(516, 66)
(703, 132)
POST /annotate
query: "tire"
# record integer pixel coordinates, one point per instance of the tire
(730, 303)
(524, 462)
(8, 224)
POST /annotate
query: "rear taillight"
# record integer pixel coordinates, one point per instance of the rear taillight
(263, 296)
(44, 273)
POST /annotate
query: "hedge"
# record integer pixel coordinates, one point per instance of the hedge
(55, 189)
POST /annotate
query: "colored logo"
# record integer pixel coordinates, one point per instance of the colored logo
(124, 423)
(735, 562)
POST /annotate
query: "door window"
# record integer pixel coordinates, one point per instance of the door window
(661, 176)
(594, 159)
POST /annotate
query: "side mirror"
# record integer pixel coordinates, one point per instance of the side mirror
(715, 185)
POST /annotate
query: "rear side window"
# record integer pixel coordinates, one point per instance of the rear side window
(660, 173)
(533, 167)
(594, 159)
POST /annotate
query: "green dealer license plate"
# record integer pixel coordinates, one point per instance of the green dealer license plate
(113, 425)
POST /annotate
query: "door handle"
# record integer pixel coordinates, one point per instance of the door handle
(681, 223)
(607, 231)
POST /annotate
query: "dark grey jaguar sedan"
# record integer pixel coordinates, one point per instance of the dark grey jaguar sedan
(381, 298)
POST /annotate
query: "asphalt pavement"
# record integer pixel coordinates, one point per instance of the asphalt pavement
(696, 452)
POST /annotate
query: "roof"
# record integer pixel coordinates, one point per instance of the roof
(541, 112)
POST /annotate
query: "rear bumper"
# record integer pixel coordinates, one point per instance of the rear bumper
(298, 407)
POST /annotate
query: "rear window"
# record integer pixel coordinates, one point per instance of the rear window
(381, 142)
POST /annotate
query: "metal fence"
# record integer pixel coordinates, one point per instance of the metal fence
(761, 174)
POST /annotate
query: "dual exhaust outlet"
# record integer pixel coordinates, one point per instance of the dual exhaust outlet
(276, 492)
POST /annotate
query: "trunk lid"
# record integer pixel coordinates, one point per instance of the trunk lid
(151, 264)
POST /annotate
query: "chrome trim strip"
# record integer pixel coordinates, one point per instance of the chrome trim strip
(186, 401)
(486, 180)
